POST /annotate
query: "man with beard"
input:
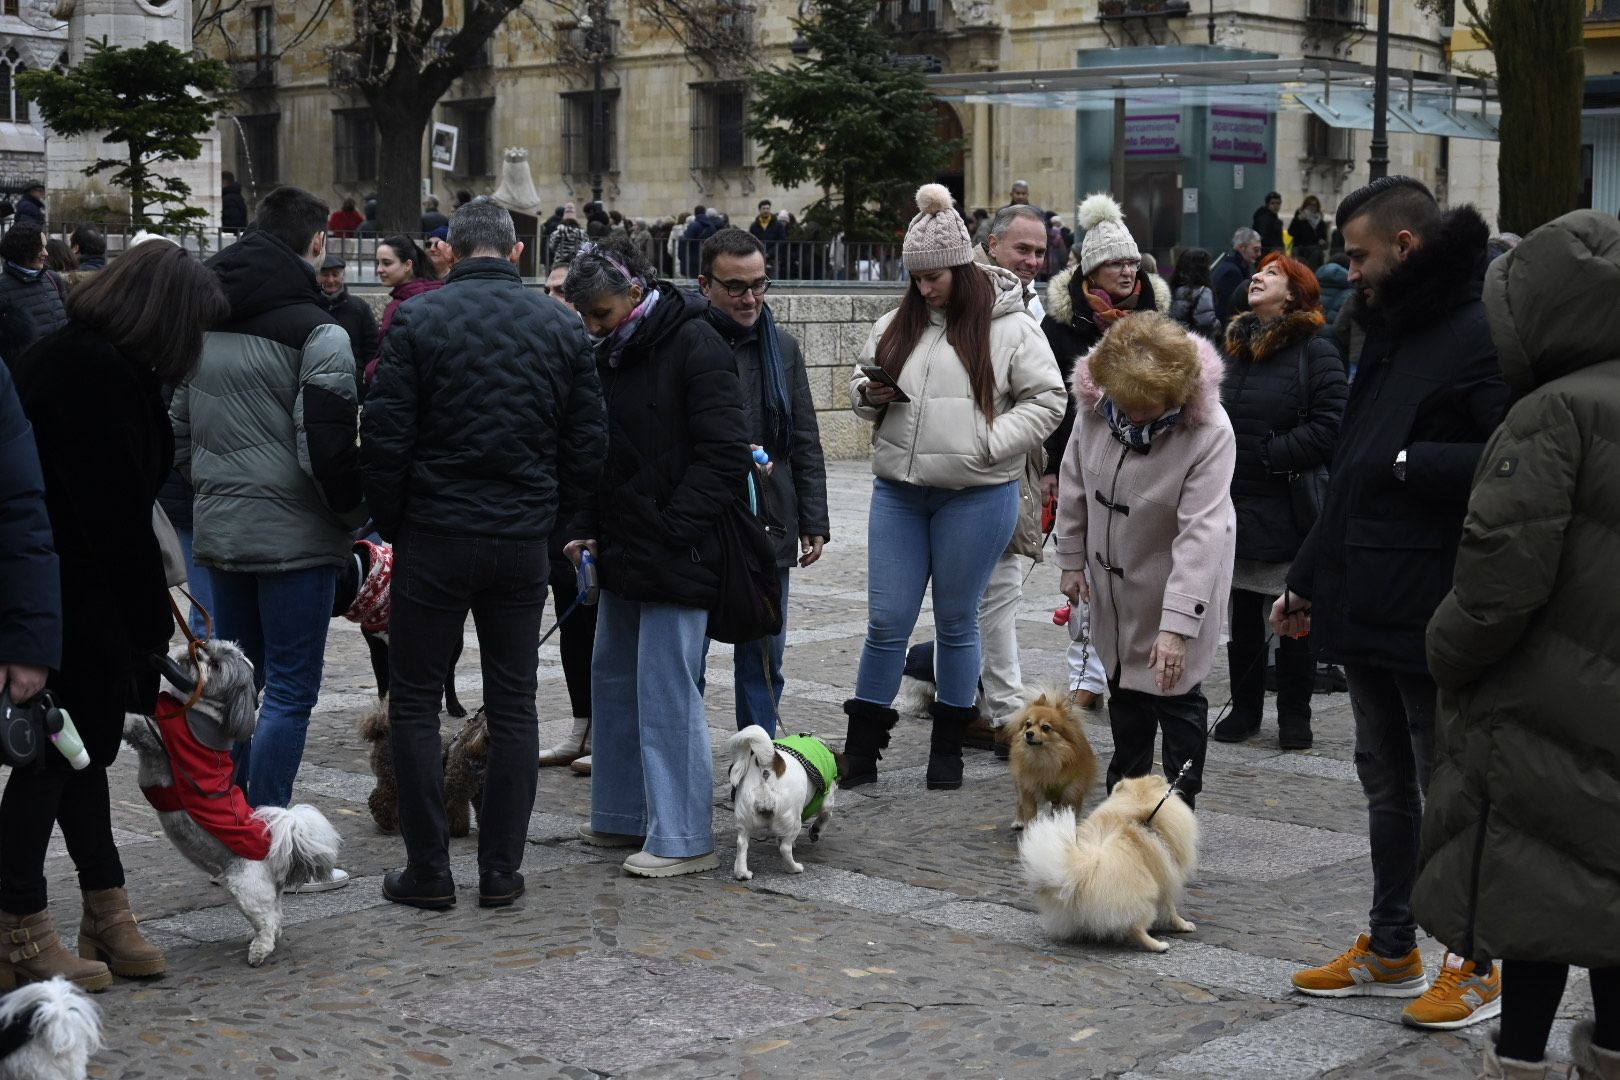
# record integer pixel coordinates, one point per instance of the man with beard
(1379, 559)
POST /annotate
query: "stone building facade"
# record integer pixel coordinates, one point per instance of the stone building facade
(674, 98)
(31, 39)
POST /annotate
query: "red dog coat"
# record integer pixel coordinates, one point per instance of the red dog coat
(205, 786)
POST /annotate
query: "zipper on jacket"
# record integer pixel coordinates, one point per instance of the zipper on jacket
(922, 396)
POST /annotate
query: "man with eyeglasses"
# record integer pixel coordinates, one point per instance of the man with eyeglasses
(782, 420)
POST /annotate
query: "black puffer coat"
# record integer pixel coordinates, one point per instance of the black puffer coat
(30, 583)
(486, 415)
(677, 455)
(1263, 396)
(29, 310)
(1379, 560)
(357, 320)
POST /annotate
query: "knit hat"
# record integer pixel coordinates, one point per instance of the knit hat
(937, 237)
(1107, 238)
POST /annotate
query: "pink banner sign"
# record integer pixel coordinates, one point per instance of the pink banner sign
(1153, 135)
(1239, 136)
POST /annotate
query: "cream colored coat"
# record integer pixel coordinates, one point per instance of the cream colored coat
(940, 438)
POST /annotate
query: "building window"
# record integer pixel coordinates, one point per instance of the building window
(582, 155)
(258, 158)
(12, 7)
(354, 146)
(263, 22)
(474, 119)
(718, 113)
(1325, 143)
(13, 105)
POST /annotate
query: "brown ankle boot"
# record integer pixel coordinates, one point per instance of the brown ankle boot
(108, 933)
(33, 953)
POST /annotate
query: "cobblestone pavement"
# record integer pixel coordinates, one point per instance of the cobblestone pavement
(907, 949)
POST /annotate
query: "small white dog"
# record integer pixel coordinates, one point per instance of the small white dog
(776, 787)
(1119, 872)
(187, 774)
(48, 1031)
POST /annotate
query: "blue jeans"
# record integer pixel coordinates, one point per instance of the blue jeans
(758, 691)
(652, 772)
(280, 621)
(915, 534)
(198, 585)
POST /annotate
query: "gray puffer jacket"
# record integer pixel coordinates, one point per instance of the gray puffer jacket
(266, 429)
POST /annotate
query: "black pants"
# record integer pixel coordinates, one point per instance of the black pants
(1136, 719)
(1531, 991)
(35, 800)
(1296, 666)
(437, 580)
(1394, 713)
(576, 636)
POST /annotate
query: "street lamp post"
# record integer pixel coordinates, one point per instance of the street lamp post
(1378, 158)
(1212, 22)
(598, 44)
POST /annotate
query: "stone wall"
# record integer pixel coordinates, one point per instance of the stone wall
(831, 330)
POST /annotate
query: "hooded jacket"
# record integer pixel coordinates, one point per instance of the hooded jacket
(1521, 835)
(1335, 282)
(1379, 559)
(677, 457)
(265, 430)
(1156, 529)
(30, 581)
(941, 438)
(1264, 397)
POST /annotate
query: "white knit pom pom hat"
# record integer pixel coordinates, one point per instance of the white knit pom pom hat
(1107, 238)
(937, 237)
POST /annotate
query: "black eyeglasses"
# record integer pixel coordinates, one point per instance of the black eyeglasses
(735, 289)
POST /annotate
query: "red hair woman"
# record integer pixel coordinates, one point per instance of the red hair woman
(1285, 392)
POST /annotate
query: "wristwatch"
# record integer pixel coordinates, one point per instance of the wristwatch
(1400, 466)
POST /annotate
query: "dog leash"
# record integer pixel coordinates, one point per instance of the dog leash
(193, 643)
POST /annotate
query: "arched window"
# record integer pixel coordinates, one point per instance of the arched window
(13, 105)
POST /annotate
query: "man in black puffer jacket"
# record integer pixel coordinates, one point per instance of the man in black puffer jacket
(30, 295)
(1427, 395)
(485, 423)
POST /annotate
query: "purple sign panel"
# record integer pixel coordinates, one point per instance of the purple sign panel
(1238, 136)
(1153, 135)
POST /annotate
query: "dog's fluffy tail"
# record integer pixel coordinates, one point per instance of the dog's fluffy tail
(1086, 881)
(54, 1026)
(303, 844)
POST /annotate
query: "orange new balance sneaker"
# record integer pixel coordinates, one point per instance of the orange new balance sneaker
(1462, 994)
(1360, 972)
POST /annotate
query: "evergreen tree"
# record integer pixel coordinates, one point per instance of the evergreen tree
(850, 120)
(154, 100)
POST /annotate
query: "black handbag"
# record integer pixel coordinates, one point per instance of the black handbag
(1307, 490)
(749, 603)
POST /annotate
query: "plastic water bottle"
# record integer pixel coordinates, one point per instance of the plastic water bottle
(760, 456)
(67, 740)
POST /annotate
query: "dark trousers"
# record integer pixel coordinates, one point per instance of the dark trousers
(437, 580)
(1531, 991)
(576, 638)
(1296, 666)
(1394, 713)
(37, 799)
(1137, 718)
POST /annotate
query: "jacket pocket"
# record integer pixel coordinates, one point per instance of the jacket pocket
(1396, 571)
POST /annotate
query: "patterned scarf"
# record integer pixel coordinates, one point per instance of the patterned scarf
(1137, 436)
(611, 346)
(776, 403)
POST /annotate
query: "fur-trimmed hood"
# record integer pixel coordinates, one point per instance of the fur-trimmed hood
(1446, 270)
(1201, 406)
(1249, 339)
(1060, 296)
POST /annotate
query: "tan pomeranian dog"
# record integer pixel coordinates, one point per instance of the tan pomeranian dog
(1052, 760)
(1119, 873)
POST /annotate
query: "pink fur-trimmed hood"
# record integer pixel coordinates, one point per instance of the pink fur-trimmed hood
(1201, 407)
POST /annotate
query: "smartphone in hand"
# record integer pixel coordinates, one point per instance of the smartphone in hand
(883, 378)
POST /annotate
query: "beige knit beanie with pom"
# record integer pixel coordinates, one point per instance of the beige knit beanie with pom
(1107, 238)
(937, 236)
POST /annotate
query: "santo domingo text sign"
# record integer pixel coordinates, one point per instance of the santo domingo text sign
(1239, 136)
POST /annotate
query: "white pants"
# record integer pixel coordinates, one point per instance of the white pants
(1085, 666)
(1001, 676)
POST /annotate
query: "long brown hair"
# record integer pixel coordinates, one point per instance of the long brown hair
(967, 329)
(153, 303)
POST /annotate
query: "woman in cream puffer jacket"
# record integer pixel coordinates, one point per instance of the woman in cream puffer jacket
(982, 390)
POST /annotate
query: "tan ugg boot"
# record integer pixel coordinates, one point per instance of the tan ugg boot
(108, 933)
(1501, 1068)
(33, 953)
(1592, 1062)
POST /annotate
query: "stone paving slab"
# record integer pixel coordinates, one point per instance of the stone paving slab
(1299, 1044)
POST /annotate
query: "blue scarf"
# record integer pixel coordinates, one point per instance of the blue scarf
(1137, 436)
(776, 403)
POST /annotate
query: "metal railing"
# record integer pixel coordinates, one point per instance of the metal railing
(1603, 10)
(1344, 12)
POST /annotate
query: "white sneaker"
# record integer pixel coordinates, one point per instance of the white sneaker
(337, 880)
(646, 864)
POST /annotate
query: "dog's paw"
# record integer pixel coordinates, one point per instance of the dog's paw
(1182, 926)
(1148, 941)
(257, 953)
(744, 874)
(1018, 826)
(795, 868)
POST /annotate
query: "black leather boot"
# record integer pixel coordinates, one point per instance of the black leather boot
(1247, 664)
(945, 745)
(1296, 678)
(865, 741)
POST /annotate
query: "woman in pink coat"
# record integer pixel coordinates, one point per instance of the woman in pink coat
(1145, 502)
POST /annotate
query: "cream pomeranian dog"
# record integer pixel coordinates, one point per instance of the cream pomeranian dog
(1119, 873)
(778, 787)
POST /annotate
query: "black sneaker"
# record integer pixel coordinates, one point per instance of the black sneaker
(498, 889)
(432, 893)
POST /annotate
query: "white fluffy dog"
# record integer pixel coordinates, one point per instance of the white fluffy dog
(48, 1031)
(1117, 874)
(254, 853)
(776, 787)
